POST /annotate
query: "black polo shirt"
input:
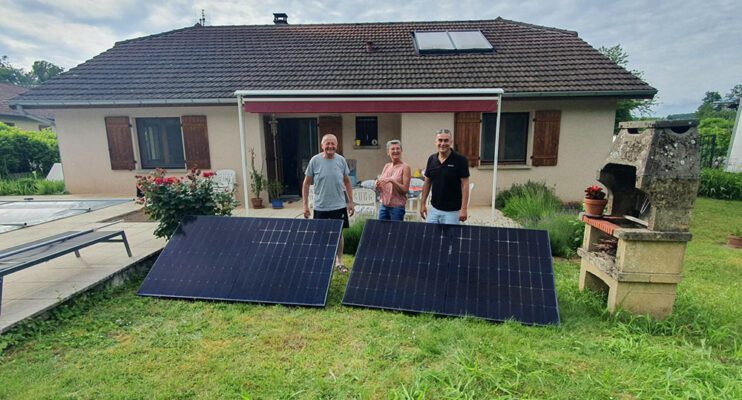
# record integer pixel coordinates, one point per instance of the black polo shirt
(446, 180)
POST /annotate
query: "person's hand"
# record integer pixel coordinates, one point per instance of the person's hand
(351, 209)
(306, 212)
(423, 211)
(463, 215)
(378, 183)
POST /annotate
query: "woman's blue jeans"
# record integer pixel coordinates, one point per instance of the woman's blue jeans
(391, 213)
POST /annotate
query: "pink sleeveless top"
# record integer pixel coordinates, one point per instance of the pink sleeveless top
(389, 196)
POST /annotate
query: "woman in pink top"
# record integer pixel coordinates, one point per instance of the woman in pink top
(393, 184)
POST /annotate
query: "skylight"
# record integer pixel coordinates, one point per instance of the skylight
(451, 42)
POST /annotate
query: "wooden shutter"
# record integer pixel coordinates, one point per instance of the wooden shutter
(546, 138)
(467, 126)
(331, 125)
(120, 148)
(196, 141)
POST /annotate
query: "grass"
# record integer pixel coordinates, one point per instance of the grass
(114, 344)
(30, 186)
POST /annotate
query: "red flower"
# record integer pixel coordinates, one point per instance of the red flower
(209, 174)
(594, 192)
(159, 181)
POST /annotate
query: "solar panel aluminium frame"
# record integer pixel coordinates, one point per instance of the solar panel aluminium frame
(442, 283)
(243, 275)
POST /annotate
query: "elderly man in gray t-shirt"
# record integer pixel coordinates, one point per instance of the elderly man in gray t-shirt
(328, 172)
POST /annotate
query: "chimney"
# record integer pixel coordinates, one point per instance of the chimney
(369, 47)
(280, 19)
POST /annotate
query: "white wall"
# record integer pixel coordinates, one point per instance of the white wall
(734, 158)
(22, 123)
(83, 145)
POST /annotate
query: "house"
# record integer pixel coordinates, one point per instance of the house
(169, 100)
(28, 121)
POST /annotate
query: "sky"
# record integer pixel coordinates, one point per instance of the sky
(684, 48)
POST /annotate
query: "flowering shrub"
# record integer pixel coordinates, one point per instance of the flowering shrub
(169, 199)
(594, 192)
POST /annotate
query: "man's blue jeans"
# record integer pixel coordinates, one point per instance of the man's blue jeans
(436, 216)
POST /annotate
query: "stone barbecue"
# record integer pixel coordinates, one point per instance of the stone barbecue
(636, 252)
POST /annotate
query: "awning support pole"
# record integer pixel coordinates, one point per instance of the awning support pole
(243, 152)
(494, 158)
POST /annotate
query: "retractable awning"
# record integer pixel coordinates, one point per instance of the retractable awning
(370, 101)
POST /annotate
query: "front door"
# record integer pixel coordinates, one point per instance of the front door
(289, 152)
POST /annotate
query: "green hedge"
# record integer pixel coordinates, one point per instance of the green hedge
(565, 232)
(21, 150)
(719, 184)
(352, 236)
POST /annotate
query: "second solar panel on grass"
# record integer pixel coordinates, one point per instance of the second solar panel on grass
(490, 273)
(264, 260)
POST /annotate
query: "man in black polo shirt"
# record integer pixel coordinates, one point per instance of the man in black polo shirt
(448, 173)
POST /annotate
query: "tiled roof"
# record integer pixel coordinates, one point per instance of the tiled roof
(8, 92)
(212, 62)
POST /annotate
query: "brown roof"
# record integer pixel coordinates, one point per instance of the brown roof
(8, 92)
(212, 62)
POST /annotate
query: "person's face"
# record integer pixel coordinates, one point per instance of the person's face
(395, 152)
(443, 142)
(329, 146)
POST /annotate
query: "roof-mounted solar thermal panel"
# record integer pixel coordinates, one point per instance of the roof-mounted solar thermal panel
(470, 40)
(456, 270)
(451, 42)
(263, 260)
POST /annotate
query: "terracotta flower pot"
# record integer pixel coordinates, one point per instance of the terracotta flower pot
(594, 208)
(735, 241)
(256, 202)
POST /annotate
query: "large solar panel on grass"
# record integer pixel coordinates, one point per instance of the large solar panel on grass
(264, 260)
(491, 273)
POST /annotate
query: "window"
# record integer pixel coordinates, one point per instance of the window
(451, 42)
(367, 131)
(513, 138)
(160, 143)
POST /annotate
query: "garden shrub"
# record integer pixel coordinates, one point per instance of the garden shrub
(352, 236)
(565, 232)
(26, 151)
(170, 199)
(518, 190)
(531, 203)
(719, 184)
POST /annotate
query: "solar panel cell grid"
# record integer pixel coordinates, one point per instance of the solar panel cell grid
(266, 260)
(491, 273)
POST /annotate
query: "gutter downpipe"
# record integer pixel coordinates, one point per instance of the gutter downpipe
(243, 153)
(494, 158)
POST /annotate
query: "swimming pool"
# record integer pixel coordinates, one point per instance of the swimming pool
(20, 214)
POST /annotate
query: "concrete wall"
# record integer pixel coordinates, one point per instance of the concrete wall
(585, 137)
(734, 157)
(83, 145)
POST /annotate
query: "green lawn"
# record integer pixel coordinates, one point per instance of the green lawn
(114, 344)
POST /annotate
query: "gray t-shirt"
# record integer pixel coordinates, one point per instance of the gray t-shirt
(327, 177)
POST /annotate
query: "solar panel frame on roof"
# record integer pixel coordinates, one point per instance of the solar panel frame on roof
(455, 270)
(433, 42)
(261, 260)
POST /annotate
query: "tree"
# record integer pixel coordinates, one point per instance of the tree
(734, 93)
(711, 108)
(626, 109)
(41, 71)
(13, 75)
(44, 70)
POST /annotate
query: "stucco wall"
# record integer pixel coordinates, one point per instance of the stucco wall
(84, 147)
(370, 161)
(585, 137)
(25, 124)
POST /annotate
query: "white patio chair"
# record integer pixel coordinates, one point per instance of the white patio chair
(365, 202)
(224, 180)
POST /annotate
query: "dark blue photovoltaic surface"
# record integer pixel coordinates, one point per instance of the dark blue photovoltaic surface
(491, 273)
(264, 260)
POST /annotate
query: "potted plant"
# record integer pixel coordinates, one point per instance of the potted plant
(595, 201)
(257, 182)
(275, 189)
(735, 238)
